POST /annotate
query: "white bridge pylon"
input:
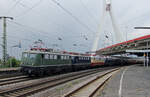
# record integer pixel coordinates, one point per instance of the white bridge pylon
(107, 9)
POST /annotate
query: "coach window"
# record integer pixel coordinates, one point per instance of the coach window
(80, 58)
(72, 57)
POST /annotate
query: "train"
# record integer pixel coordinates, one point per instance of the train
(40, 62)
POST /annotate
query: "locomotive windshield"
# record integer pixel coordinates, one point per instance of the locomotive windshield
(28, 55)
(31, 56)
(28, 58)
(25, 55)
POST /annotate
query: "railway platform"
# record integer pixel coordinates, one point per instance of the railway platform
(132, 81)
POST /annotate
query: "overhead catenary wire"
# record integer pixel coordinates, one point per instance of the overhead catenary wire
(31, 39)
(12, 37)
(34, 31)
(31, 28)
(23, 29)
(13, 7)
(30, 8)
(73, 16)
(89, 12)
(25, 6)
(37, 31)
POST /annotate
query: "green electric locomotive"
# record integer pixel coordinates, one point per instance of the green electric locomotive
(41, 63)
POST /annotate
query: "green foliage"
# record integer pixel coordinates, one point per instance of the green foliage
(4, 66)
(12, 62)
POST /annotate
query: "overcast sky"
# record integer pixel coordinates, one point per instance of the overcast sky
(74, 21)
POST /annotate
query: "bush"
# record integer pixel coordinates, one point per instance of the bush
(14, 62)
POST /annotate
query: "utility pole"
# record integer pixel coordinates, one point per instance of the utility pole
(4, 45)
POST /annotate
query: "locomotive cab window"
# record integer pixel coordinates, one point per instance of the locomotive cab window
(25, 55)
(32, 56)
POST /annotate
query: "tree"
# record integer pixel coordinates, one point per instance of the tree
(13, 62)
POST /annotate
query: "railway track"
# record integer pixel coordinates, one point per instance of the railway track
(92, 87)
(8, 75)
(35, 86)
(11, 80)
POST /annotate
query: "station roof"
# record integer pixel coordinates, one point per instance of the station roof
(123, 45)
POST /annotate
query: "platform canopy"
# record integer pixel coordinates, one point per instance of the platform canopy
(141, 43)
(137, 51)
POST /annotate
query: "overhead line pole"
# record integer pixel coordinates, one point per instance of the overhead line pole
(4, 45)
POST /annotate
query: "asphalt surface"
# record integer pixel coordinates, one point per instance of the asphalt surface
(132, 81)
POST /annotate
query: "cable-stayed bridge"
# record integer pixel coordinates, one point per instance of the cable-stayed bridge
(119, 45)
